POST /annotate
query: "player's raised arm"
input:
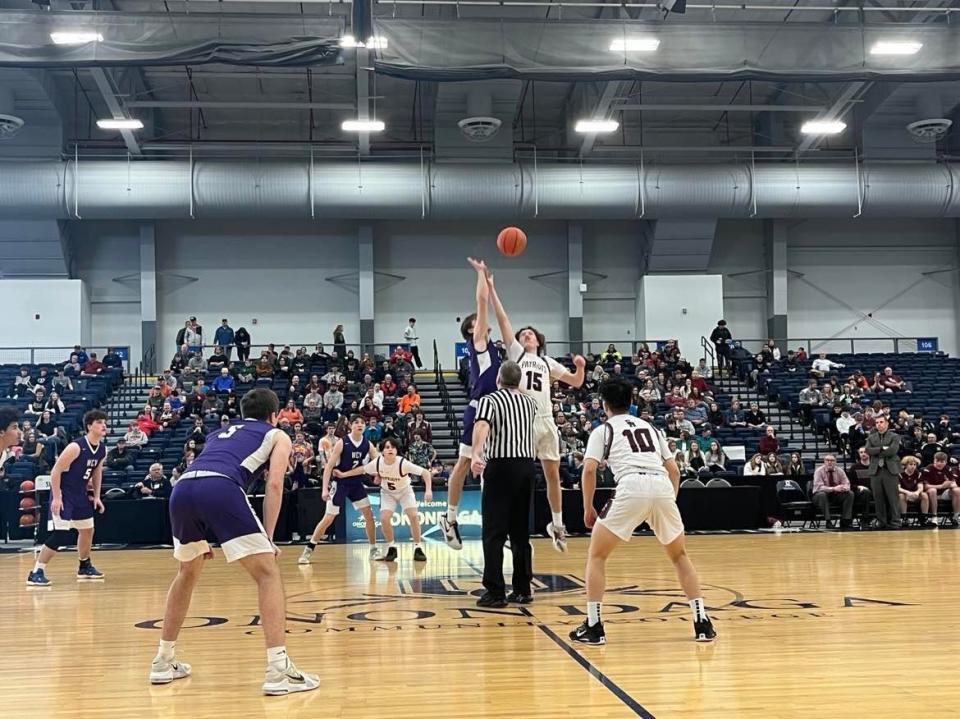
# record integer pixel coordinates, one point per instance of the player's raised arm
(506, 329)
(482, 324)
(273, 495)
(560, 373)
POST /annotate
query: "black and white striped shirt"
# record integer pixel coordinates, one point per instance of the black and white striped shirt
(510, 415)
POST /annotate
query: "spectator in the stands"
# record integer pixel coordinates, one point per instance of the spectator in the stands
(676, 398)
(218, 360)
(408, 400)
(795, 467)
(822, 366)
(241, 339)
(722, 341)
(889, 382)
(112, 360)
(81, 354)
(146, 424)
(930, 448)
(388, 386)
(37, 405)
(55, 405)
(611, 355)
(827, 397)
(72, 368)
(154, 484)
(193, 403)
(62, 383)
(224, 338)
(92, 367)
(120, 458)
(169, 417)
(912, 442)
(264, 366)
(773, 464)
(333, 398)
(373, 431)
(212, 405)
(755, 467)
(135, 437)
(769, 442)
(32, 450)
(735, 416)
(831, 488)
(224, 382)
(695, 413)
(714, 458)
(755, 417)
(47, 424)
(231, 408)
(790, 363)
(704, 369)
(911, 489)
(193, 336)
(197, 434)
(339, 343)
(695, 458)
(185, 463)
(940, 481)
(420, 452)
(370, 411)
(945, 432)
(421, 426)
(810, 398)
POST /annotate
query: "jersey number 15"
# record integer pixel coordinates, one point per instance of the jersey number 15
(534, 381)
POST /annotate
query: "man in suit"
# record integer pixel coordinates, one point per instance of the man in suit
(883, 446)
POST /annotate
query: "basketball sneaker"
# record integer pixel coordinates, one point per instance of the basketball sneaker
(585, 634)
(305, 556)
(516, 598)
(375, 554)
(288, 681)
(704, 631)
(419, 555)
(390, 556)
(558, 533)
(88, 571)
(164, 672)
(451, 533)
(38, 579)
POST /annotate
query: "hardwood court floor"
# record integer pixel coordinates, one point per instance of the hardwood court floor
(827, 625)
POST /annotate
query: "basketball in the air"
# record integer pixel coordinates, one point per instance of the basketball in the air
(512, 241)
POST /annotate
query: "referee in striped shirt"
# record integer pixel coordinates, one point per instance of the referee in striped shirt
(503, 454)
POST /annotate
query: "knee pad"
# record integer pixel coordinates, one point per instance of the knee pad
(56, 539)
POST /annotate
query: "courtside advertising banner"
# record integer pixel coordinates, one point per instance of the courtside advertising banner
(468, 515)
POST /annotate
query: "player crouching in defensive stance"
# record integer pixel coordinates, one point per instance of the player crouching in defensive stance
(394, 473)
(647, 480)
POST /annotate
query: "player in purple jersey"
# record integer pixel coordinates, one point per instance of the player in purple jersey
(345, 465)
(209, 499)
(71, 507)
(484, 365)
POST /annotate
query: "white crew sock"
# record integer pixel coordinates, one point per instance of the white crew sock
(166, 650)
(593, 613)
(451, 513)
(39, 566)
(699, 611)
(557, 519)
(391, 544)
(277, 658)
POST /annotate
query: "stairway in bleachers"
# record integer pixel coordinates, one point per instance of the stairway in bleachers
(432, 406)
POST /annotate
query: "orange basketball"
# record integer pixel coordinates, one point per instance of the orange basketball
(512, 241)
(27, 503)
(27, 486)
(28, 519)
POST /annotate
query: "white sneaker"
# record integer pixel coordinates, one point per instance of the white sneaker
(559, 536)
(164, 672)
(305, 556)
(375, 554)
(289, 681)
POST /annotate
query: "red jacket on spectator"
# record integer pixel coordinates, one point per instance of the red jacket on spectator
(93, 366)
(769, 445)
(389, 388)
(699, 383)
(147, 425)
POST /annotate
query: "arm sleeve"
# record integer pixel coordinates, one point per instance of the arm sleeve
(595, 444)
(557, 370)
(485, 411)
(514, 350)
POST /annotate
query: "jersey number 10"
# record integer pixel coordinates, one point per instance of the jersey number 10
(639, 439)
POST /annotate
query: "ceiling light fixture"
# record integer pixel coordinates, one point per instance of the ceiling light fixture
(597, 126)
(895, 47)
(362, 126)
(377, 42)
(634, 44)
(349, 41)
(121, 123)
(75, 37)
(823, 127)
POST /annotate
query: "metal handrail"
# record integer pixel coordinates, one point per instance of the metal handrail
(54, 355)
(449, 414)
(819, 344)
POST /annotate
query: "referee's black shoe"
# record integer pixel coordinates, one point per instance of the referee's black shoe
(517, 598)
(585, 634)
(491, 601)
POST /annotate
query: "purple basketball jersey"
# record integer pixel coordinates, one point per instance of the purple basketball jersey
(353, 455)
(484, 367)
(239, 452)
(74, 479)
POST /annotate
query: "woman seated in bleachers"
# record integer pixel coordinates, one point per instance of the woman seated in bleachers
(695, 458)
(755, 467)
(649, 392)
(686, 471)
(714, 458)
(32, 450)
(773, 464)
(795, 467)
(370, 411)
(146, 423)
(291, 412)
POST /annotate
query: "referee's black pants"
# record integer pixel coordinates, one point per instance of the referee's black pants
(507, 489)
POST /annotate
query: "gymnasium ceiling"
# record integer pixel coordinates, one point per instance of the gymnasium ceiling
(242, 111)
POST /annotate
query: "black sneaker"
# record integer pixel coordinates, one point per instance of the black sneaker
(418, 555)
(491, 601)
(704, 631)
(517, 598)
(585, 634)
(390, 556)
(929, 522)
(451, 533)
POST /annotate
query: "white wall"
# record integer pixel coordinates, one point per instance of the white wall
(42, 313)
(614, 249)
(681, 307)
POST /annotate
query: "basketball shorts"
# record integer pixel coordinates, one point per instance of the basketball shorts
(342, 491)
(214, 506)
(546, 438)
(390, 499)
(466, 434)
(643, 498)
(77, 513)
